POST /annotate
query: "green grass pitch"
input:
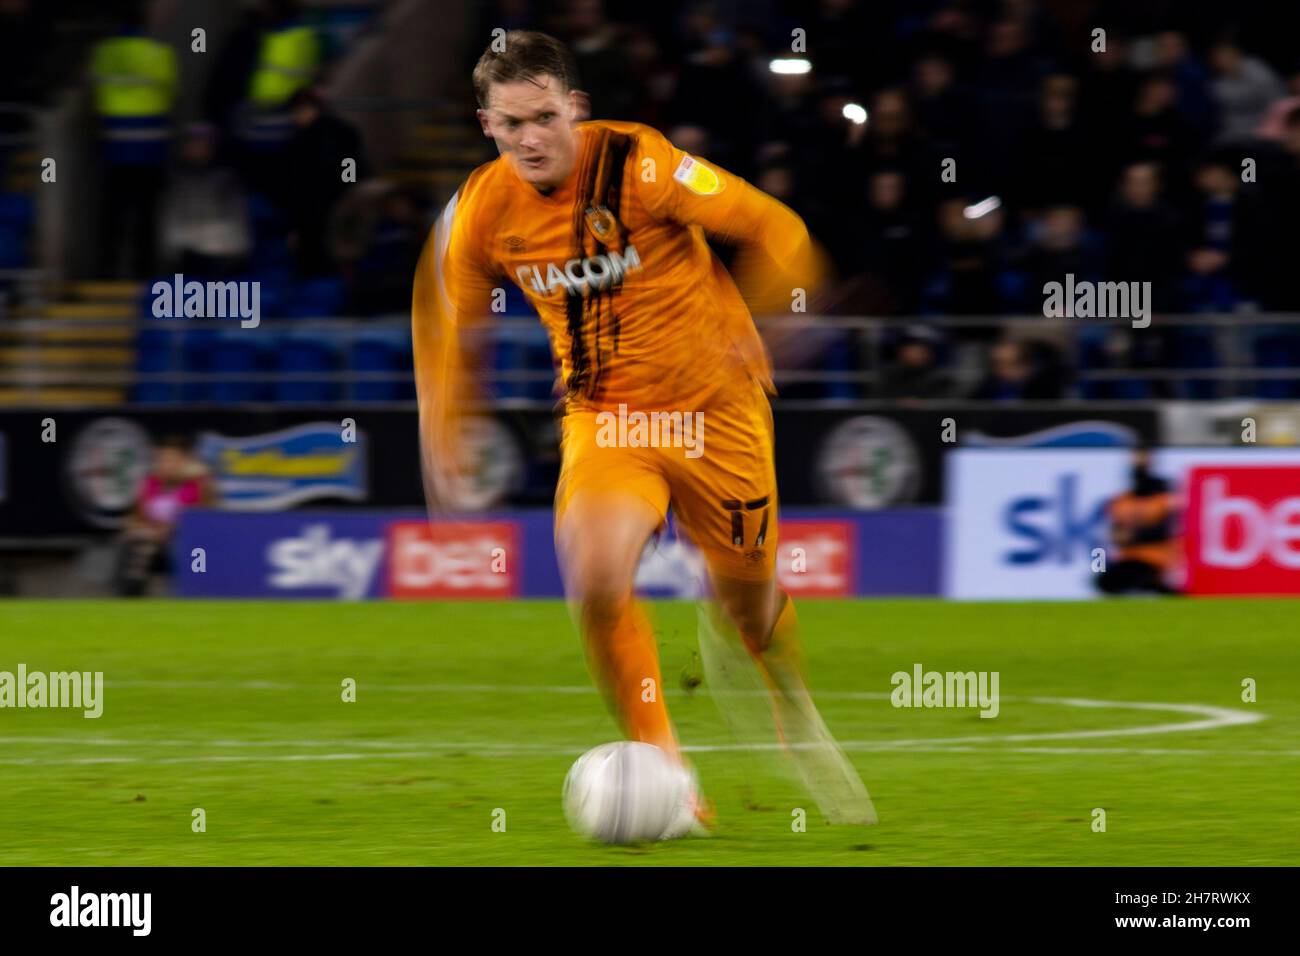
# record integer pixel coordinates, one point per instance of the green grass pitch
(469, 708)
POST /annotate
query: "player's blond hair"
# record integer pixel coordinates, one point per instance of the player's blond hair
(527, 55)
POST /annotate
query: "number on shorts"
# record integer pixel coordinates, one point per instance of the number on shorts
(738, 509)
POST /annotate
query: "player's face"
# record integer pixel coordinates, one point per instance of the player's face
(532, 122)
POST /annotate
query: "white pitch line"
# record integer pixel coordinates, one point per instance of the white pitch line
(1154, 751)
(506, 751)
(1213, 718)
(390, 688)
(377, 744)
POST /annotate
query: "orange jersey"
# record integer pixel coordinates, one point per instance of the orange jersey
(1146, 523)
(637, 307)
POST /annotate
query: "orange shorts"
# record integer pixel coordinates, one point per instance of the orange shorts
(714, 465)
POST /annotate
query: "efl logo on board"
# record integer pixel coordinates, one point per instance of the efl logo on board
(455, 559)
(1243, 530)
(816, 558)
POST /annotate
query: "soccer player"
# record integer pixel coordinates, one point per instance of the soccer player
(1142, 526)
(602, 225)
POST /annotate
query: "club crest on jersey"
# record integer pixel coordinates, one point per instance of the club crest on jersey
(697, 177)
(580, 277)
(603, 225)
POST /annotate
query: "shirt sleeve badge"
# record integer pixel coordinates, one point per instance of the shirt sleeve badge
(697, 177)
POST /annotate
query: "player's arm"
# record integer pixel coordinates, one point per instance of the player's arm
(1121, 529)
(776, 257)
(449, 305)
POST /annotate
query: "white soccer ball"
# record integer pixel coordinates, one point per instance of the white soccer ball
(629, 792)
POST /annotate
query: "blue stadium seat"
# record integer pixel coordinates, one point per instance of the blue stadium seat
(1282, 351)
(299, 355)
(231, 353)
(521, 345)
(840, 356)
(154, 353)
(197, 346)
(1092, 357)
(1193, 348)
(17, 214)
(377, 355)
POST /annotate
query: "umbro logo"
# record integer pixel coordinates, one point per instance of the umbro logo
(516, 243)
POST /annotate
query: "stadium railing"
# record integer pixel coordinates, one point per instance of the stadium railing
(1253, 355)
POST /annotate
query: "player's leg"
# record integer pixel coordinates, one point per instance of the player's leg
(764, 617)
(608, 503)
(600, 537)
(726, 502)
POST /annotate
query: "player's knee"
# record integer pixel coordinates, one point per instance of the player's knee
(754, 623)
(599, 579)
(601, 584)
(603, 601)
(751, 606)
(598, 574)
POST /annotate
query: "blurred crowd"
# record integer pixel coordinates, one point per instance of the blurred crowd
(952, 155)
(1117, 156)
(270, 184)
(1165, 149)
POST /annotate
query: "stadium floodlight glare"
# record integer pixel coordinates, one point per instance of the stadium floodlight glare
(982, 208)
(855, 113)
(790, 65)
